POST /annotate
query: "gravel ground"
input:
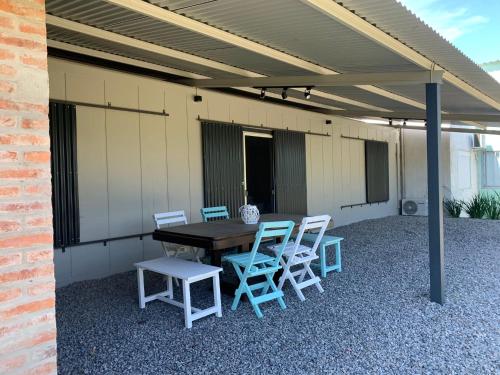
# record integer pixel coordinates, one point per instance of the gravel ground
(373, 318)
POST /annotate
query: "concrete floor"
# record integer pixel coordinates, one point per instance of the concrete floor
(374, 317)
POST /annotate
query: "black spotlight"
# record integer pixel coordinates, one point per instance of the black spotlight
(198, 98)
(307, 93)
(284, 93)
(263, 93)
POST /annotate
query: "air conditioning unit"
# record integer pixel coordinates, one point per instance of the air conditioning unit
(414, 207)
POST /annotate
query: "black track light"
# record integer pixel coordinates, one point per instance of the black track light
(263, 93)
(284, 93)
(307, 93)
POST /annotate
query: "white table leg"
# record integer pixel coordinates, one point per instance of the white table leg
(187, 304)
(140, 285)
(170, 287)
(217, 299)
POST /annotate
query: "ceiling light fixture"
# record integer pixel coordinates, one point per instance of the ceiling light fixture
(263, 93)
(307, 93)
(284, 94)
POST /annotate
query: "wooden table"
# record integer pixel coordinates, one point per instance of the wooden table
(219, 236)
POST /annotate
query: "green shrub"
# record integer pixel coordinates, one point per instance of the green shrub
(477, 207)
(453, 206)
(493, 211)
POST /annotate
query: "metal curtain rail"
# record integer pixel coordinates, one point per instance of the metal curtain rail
(357, 139)
(109, 106)
(105, 241)
(361, 204)
(264, 127)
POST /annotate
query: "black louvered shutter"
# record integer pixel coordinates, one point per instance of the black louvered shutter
(290, 172)
(66, 216)
(223, 166)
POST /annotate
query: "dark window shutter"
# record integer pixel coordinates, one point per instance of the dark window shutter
(223, 166)
(290, 172)
(377, 171)
(66, 215)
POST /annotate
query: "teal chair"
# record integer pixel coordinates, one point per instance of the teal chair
(214, 213)
(253, 264)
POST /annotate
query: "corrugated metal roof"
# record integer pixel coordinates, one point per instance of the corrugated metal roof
(399, 22)
(289, 26)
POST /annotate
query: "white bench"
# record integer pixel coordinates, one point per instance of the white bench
(188, 272)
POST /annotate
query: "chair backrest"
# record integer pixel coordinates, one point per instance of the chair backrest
(315, 223)
(164, 218)
(219, 212)
(269, 230)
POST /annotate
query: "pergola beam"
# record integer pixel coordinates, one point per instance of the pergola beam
(330, 80)
(343, 15)
(182, 56)
(172, 18)
(475, 117)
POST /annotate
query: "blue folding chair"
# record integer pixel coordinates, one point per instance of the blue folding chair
(253, 263)
(214, 213)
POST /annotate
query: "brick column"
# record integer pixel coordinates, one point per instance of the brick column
(27, 320)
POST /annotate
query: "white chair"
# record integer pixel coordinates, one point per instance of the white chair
(172, 249)
(300, 256)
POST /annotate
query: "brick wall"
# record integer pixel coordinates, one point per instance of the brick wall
(27, 321)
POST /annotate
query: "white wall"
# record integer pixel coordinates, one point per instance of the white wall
(464, 173)
(132, 165)
(459, 165)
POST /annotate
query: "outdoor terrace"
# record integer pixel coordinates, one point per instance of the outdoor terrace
(374, 317)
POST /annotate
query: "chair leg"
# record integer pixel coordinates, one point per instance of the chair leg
(296, 287)
(322, 260)
(307, 266)
(271, 283)
(257, 310)
(338, 259)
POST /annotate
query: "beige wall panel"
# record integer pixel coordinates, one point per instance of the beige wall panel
(153, 168)
(84, 87)
(290, 119)
(372, 133)
(152, 96)
(90, 262)
(62, 267)
(257, 113)
(57, 83)
(318, 199)
(304, 123)
(92, 173)
(124, 253)
(218, 106)
(363, 132)
(346, 171)
(337, 169)
(122, 91)
(239, 111)
(328, 180)
(274, 116)
(152, 248)
(124, 173)
(177, 153)
(195, 156)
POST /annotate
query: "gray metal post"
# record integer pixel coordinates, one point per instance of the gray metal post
(435, 196)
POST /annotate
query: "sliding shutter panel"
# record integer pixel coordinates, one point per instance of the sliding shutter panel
(66, 216)
(377, 171)
(290, 172)
(223, 166)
